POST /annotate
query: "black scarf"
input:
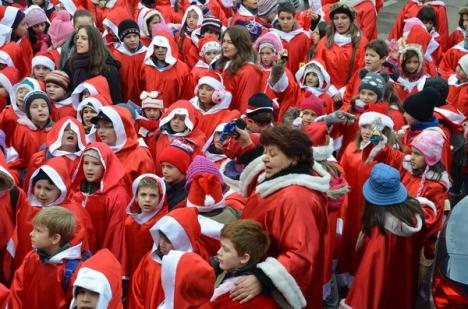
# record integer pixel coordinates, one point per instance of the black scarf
(80, 69)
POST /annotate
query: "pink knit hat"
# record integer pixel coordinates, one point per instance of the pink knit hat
(150, 100)
(429, 142)
(60, 28)
(201, 165)
(269, 39)
(313, 103)
(35, 15)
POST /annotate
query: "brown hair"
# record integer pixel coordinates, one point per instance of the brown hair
(58, 220)
(374, 216)
(247, 236)
(353, 31)
(392, 138)
(407, 56)
(293, 143)
(240, 37)
(149, 183)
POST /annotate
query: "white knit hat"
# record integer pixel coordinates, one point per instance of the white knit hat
(150, 100)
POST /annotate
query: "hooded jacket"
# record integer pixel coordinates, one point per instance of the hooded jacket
(95, 85)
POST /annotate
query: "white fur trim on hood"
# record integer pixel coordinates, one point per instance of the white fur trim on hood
(56, 179)
(368, 118)
(75, 96)
(323, 153)
(119, 128)
(69, 254)
(95, 281)
(210, 227)
(174, 231)
(54, 147)
(109, 3)
(161, 41)
(178, 111)
(400, 228)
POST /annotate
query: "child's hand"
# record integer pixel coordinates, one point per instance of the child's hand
(244, 138)
(246, 289)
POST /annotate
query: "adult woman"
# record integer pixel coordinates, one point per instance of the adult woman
(342, 49)
(241, 76)
(290, 204)
(89, 57)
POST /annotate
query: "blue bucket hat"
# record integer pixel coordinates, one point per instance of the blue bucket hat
(383, 187)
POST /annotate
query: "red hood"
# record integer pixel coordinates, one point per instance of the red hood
(10, 54)
(114, 17)
(96, 85)
(181, 107)
(133, 207)
(54, 136)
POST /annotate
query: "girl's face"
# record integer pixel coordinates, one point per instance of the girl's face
(153, 21)
(250, 4)
(39, 28)
(311, 80)
(192, 19)
(308, 116)
(266, 56)
(82, 43)
(460, 75)
(88, 114)
(40, 71)
(429, 25)
(55, 92)
(210, 55)
(286, 21)
(39, 111)
(45, 192)
(275, 160)
(368, 96)
(417, 160)
(366, 132)
(178, 123)
(20, 93)
(92, 169)
(165, 245)
(205, 93)
(21, 29)
(131, 41)
(228, 48)
(342, 23)
(412, 65)
(86, 298)
(372, 60)
(152, 113)
(69, 140)
(105, 131)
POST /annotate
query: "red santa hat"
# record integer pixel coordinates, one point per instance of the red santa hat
(10, 55)
(206, 193)
(188, 280)
(9, 76)
(419, 35)
(102, 274)
(150, 100)
(318, 134)
(207, 44)
(313, 103)
(114, 18)
(43, 58)
(95, 85)
(220, 95)
(376, 112)
(8, 15)
(178, 154)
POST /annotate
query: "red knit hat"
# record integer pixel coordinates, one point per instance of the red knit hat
(318, 133)
(312, 102)
(178, 154)
(206, 193)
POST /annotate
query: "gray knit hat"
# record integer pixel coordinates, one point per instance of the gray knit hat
(265, 7)
(375, 82)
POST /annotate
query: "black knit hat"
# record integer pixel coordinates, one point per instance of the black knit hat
(439, 84)
(33, 95)
(100, 116)
(374, 82)
(421, 105)
(342, 8)
(259, 102)
(211, 24)
(126, 27)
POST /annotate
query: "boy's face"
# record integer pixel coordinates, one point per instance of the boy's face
(171, 173)
(92, 168)
(160, 53)
(69, 140)
(152, 113)
(308, 116)
(40, 238)
(105, 131)
(368, 96)
(254, 127)
(228, 257)
(205, 94)
(86, 299)
(165, 246)
(88, 114)
(178, 123)
(312, 80)
(210, 55)
(372, 60)
(286, 21)
(40, 71)
(45, 192)
(20, 94)
(147, 198)
(131, 41)
(39, 111)
(55, 92)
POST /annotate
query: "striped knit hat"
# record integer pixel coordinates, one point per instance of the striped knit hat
(202, 165)
(58, 77)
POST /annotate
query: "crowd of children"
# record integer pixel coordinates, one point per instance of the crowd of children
(232, 154)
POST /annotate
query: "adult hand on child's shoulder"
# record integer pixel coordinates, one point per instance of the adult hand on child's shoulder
(246, 289)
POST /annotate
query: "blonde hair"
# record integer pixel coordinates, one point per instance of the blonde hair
(58, 220)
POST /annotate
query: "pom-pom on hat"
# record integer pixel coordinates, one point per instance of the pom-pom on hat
(202, 165)
(429, 143)
(421, 105)
(318, 133)
(342, 8)
(126, 27)
(313, 103)
(178, 154)
(35, 15)
(383, 187)
(60, 28)
(205, 193)
(259, 102)
(150, 100)
(59, 78)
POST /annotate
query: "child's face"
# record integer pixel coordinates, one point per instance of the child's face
(165, 246)
(171, 173)
(205, 93)
(3, 91)
(366, 132)
(147, 198)
(372, 60)
(153, 21)
(368, 96)
(21, 29)
(39, 28)
(429, 25)
(178, 123)
(308, 116)
(88, 114)
(39, 111)
(460, 75)
(286, 21)
(409, 119)
(342, 23)
(86, 299)
(69, 140)
(251, 4)
(105, 131)
(131, 41)
(192, 19)
(210, 55)
(228, 257)
(41, 239)
(20, 94)
(152, 113)
(417, 160)
(160, 53)
(266, 56)
(55, 92)
(412, 64)
(45, 192)
(92, 168)
(40, 71)
(311, 80)
(85, 94)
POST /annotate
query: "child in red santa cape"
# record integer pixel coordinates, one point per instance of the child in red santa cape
(57, 88)
(88, 108)
(41, 65)
(147, 206)
(111, 27)
(243, 245)
(91, 87)
(164, 72)
(114, 126)
(147, 120)
(8, 78)
(449, 61)
(247, 11)
(208, 49)
(277, 80)
(98, 188)
(98, 283)
(52, 262)
(428, 18)
(294, 38)
(394, 228)
(212, 100)
(458, 35)
(146, 18)
(178, 230)
(193, 18)
(458, 86)
(38, 25)
(187, 280)
(309, 110)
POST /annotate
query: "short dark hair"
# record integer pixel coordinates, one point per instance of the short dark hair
(262, 118)
(428, 14)
(286, 7)
(82, 13)
(379, 46)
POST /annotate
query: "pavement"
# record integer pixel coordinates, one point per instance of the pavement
(391, 9)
